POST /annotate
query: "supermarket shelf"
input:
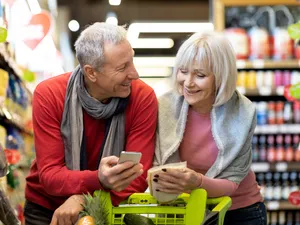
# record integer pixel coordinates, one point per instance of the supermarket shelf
(275, 167)
(278, 129)
(12, 64)
(267, 64)
(263, 91)
(280, 205)
(13, 119)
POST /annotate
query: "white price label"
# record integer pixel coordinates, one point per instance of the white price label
(283, 129)
(273, 205)
(242, 90)
(281, 167)
(280, 90)
(258, 64)
(260, 167)
(265, 91)
(241, 64)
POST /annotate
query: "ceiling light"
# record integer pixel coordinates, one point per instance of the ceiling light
(111, 18)
(74, 25)
(154, 61)
(152, 43)
(114, 2)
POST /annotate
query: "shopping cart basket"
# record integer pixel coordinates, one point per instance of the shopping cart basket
(186, 210)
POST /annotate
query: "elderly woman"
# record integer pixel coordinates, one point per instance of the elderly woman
(206, 122)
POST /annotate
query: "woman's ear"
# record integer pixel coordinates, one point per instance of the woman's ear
(90, 73)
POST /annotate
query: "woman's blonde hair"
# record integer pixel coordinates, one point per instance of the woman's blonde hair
(214, 51)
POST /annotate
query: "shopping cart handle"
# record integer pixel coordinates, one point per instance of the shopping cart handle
(222, 204)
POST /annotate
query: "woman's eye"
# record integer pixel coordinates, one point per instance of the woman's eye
(200, 75)
(183, 71)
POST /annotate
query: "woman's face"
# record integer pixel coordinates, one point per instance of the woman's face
(197, 85)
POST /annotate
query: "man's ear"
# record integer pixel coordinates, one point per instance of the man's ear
(89, 73)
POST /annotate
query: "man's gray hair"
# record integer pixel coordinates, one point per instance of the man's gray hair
(89, 46)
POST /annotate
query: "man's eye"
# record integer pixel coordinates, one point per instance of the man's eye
(122, 69)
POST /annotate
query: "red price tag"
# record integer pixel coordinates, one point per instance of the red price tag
(13, 156)
(294, 198)
(287, 93)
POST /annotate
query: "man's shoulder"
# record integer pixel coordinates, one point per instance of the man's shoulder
(141, 85)
(54, 84)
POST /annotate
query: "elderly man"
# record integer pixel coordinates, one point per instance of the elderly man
(82, 121)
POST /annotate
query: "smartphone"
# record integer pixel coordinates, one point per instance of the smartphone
(130, 156)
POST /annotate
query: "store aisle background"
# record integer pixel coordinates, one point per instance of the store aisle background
(40, 45)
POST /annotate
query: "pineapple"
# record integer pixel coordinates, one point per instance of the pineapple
(94, 209)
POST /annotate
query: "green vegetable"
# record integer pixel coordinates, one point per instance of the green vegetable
(294, 31)
(134, 219)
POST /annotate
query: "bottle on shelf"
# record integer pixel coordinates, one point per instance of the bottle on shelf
(290, 218)
(261, 181)
(269, 186)
(277, 190)
(262, 148)
(279, 148)
(294, 183)
(285, 186)
(281, 218)
(289, 152)
(255, 151)
(271, 153)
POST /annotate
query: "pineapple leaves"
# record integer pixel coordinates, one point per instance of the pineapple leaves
(96, 206)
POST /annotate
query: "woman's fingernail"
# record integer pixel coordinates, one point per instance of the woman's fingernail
(156, 175)
(156, 189)
(165, 170)
(155, 180)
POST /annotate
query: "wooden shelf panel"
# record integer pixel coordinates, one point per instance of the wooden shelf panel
(260, 167)
(262, 91)
(278, 129)
(280, 205)
(259, 2)
(268, 64)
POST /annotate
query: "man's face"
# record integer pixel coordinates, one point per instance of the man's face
(117, 73)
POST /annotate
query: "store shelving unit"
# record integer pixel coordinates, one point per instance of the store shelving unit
(219, 8)
(264, 93)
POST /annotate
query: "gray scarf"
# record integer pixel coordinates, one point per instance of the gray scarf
(232, 128)
(72, 126)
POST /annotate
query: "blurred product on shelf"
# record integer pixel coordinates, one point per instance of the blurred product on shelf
(277, 112)
(277, 186)
(278, 148)
(271, 79)
(284, 218)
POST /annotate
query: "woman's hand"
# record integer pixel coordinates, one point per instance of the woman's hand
(177, 181)
(68, 212)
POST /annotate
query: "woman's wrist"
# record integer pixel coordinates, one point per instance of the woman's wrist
(199, 180)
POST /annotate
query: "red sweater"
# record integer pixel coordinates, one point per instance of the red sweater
(50, 182)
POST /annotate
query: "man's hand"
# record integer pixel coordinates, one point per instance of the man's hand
(118, 176)
(67, 213)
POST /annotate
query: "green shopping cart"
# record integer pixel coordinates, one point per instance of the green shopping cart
(186, 210)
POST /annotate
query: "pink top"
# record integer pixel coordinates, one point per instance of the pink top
(199, 149)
